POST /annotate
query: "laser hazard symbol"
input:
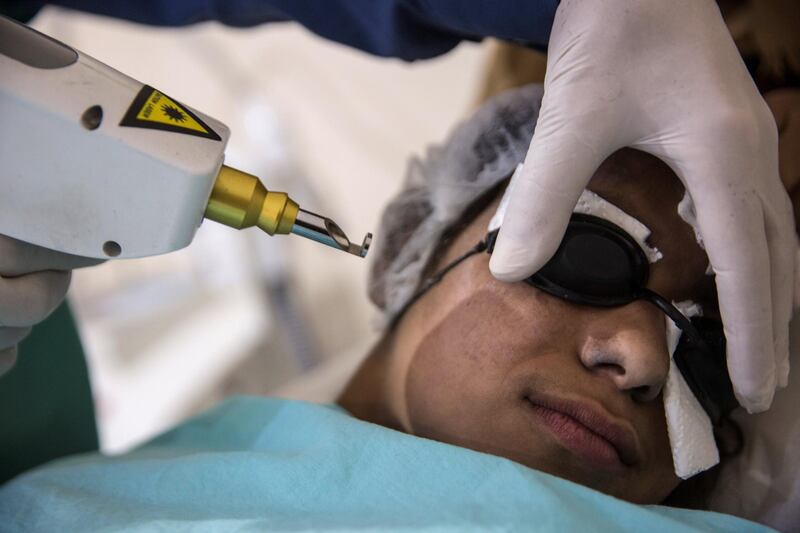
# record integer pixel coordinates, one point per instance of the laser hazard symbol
(155, 110)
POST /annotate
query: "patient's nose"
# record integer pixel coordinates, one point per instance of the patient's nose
(628, 346)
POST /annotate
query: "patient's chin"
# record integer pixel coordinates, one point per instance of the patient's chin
(498, 426)
(539, 452)
(632, 487)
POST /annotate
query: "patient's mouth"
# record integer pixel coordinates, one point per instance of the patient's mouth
(588, 433)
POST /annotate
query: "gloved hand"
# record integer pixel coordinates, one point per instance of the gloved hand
(785, 106)
(33, 281)
(666, 78)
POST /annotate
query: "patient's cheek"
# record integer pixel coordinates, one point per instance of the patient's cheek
(456, 375)
(445, 366)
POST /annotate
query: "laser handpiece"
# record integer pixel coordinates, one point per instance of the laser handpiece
(240, 200)
(97, 164)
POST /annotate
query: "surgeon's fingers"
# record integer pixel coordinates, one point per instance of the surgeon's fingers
(28, 299)
(12, 336)
(785, 107)
(782, 244)
(557, 168)
(19, 257)
(9, 338)
(8, 357)
(732, 226)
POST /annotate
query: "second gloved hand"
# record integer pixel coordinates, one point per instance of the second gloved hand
(666, 78)
(33, 282)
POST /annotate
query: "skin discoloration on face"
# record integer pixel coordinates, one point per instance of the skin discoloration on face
(477, 362)
(473, 390)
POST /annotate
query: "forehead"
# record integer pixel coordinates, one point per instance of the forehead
(646, 189)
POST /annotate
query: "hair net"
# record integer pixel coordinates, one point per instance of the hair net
(438, 188)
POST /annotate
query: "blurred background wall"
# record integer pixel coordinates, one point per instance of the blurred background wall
(240, 312)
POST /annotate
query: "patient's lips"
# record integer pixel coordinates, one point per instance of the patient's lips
(586, 430)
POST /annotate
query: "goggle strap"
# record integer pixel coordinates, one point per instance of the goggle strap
(678, 318)
(433, 280)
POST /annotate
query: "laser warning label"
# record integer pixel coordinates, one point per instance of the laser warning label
(157, 111)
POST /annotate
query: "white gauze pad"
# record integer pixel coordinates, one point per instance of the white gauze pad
(687, 212)
(691, 435)
(690, 432)
(589, 203)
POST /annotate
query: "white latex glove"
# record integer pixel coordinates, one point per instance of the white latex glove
(666, 78)
(33, 282)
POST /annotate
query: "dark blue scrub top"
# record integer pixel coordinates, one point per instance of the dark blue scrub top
(406, 29)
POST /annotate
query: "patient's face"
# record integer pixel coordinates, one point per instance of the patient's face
(570, 390)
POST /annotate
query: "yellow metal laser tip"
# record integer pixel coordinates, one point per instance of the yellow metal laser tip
(240, 200)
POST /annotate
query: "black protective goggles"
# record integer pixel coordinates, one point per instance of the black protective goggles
(600, 265)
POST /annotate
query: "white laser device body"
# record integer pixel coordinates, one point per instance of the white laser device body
(97, 164)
